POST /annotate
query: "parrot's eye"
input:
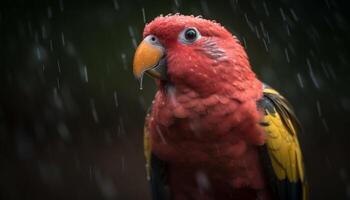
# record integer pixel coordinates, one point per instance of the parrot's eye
(153, 40)
(189, 35)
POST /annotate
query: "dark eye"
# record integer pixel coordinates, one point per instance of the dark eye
(190, 34)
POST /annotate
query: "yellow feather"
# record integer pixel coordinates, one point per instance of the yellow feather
(283, 146)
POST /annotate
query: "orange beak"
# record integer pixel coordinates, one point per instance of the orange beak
(148, 59)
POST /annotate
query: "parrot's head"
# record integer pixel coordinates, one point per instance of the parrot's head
(192, 52)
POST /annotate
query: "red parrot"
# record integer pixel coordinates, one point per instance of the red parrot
(214, 131)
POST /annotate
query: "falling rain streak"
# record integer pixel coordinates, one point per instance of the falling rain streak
(300, 80)
(115, 97)
(93, 111)
(63, 40)
(132, 35)
(143, 15)
(116, 4)
(312, 74)
(84, 74)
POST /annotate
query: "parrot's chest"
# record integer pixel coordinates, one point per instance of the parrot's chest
(207, 135)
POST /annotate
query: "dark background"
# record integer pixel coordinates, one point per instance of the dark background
(71, 113)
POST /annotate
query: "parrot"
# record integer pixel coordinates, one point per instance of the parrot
(214, 130)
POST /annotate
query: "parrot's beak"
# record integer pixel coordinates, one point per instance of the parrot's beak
(149, 58)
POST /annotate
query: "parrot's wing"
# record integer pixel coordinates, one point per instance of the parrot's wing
(155, 169)
(281, 155)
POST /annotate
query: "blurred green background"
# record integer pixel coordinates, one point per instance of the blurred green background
(71, 113)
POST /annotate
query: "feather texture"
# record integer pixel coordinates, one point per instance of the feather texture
(282, 147)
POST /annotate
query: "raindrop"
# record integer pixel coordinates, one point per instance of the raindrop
(58, 66)
(63, 131)
(295, 17)
(268, 37)
(143, 15)
(38, 53)
(177, 3)
(262, 28)
(266, 9)
(58, 83)
(287, 55)
(202, 181)
(121, 129)
(106, 186)
(57, 99)
(51, 45)
(131, 31)
(93, 111)
(132, 35)
(249, 23)
(283, 15)
(324, 68)
(257, 32)
(43, 32)
(245, 43)
(171, 91)
(312, 74)
(266, 47)
(84, 74)
(300, 80)
(115, 97)
(160, 133)
(205, 8)
(319, 111)
(70, 49)
(62, 39)
(331, 71)
(123, 57)
(288, 30)
(116, 4)
(134, 43)
(234, 4)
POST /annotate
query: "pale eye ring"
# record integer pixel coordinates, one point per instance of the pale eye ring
(189, 35)
(152, 39)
